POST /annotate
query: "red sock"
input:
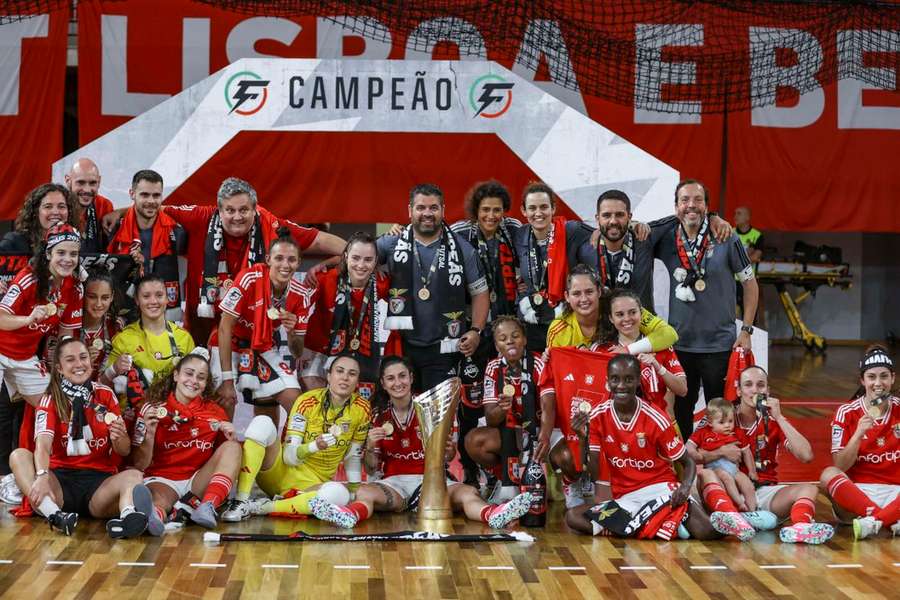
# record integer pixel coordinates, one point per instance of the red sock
(717, 499)
(159, 513)
(849, 497)
(359, 509)
(486, 513)
(890, 514)
(803, 511)
(218, 489)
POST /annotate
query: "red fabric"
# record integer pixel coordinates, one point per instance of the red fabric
(557, 263)
(492, 393)
(707, 439)
(664, 523)
(102, 206)
(21, 298)
(359, 509)
(26, 431)
(803, 511)
(766, 446)
(848, 496)
(129, 231)
(401, 452)
(717, 499)
(890, 514)
(24, 511)
(739, 360)
(879, 450)
(653, 387)
(218, 489)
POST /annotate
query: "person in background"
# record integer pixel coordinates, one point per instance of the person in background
(754, 242)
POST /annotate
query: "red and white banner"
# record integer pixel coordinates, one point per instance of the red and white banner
(32, 92)
(820, 161)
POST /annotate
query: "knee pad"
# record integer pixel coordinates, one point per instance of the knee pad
(335, 493)
(262, 431)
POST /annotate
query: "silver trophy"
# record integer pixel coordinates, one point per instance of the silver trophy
(435, 410)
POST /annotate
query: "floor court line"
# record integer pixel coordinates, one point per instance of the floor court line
(637, 568)
(208, 565)
(66, 562)
(352, 567)
(845, 566)
(424, 568)
(777, 566)
(280, 566)
(137, 564)
(566, 568)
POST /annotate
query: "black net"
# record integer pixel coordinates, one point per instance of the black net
(620, 51)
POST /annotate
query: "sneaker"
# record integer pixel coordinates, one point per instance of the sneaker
(9, 491)
(205, 515)
(895, 529)
(762, 520)
(806, 533)
(506, 513)
(63, 522)
(143, 503)
(131, 525)
(864, 527)
(332, 513)
(732, 523)
(236, 511)
(572, 493)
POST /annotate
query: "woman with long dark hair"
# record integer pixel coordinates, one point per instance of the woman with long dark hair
(45, 205)
(99, 323)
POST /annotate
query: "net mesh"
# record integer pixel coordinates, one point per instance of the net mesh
(621, 51)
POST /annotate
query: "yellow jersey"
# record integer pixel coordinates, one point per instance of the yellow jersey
(149, 351)
(564, 331)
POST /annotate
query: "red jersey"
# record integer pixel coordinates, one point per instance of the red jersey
(21, 298)
(185, 439)
(879, 450)
(401, 452)
(638, 453)
(653, 388)
(320, 308)
(102, 456)
(247, 297)
(105, 333)
(706, 439)
(764, 441)
(195, 221)
(492, 390)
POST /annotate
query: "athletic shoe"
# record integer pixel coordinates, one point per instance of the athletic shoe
(864, 527)
(683, 533)
(9, 491)
(806, 533)
(131, 525)
(205, 515)
(503, 493)
(572, 492)
(732, 523)
(63, 522)
(332, 513)
(504, 514)
(895, 529)
(143, 503)
(236, 511)
(762, 520)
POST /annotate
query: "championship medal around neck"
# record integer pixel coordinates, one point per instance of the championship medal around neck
(388, 429)
(509, 390)
(335, 430)
(424, 294)
(273, 313)
(109, 418)
(162, 412)
(97, 344)
(699, 285)
(51, 309)
(537, 299)
(584, 407)
(354, 344)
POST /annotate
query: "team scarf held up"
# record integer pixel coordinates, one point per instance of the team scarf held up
(691, 256)
(79, 429)
(501, 275)
(511, 439)
(626, 267)
(549, 280)
(91, 228)
(448, 291)
(163, 254)
(215, 266)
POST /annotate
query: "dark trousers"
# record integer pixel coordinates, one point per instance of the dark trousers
(10, 421)
(708, 368)
(430, 367)
(536, 337)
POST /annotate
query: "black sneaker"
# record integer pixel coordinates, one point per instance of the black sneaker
(63, 522)
(131, 525)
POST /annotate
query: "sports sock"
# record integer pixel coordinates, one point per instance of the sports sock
(127, 511)
(848, 496)
(803, 511)
(217, 490)
(297, 505)
(47, 506)
(890, 514)
(359, 509)
(717, 499)
(251, 462)
(486, 513)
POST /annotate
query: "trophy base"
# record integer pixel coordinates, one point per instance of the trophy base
(435, 525)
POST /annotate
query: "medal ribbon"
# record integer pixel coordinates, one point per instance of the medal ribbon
(533, 267)
(437, 259)
(626, 267)
(692, 255)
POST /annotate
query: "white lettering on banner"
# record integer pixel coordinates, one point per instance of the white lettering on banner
(651, 72)
(620, 463)
(12, 35)
(331, 33)
(115, 99)
(445, 29)
(343, 93)
(242, 39)
(200, 445)
(853, 46)
(892, 456)
(764, 42)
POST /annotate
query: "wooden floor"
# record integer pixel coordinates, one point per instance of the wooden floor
(35, 563)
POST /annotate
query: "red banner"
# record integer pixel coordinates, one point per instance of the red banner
(823, 160)
(32, 92)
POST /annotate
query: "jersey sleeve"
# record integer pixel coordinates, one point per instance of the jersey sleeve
(697, 437)
(364, 417)
(297, 420)
(491, 394)
(233, 301)
(194, 219)
(661, 334)
(304, 236)
(45, 418)
(119, 347)
(842, 428)
(15, 296)
(71, 317)
(540, 366)
(671, 363)
(547, 382)
(668, 443)
(595, 431)
(738, 260)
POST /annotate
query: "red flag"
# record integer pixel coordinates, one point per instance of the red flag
(740, 359)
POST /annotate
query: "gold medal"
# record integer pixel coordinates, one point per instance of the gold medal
(537, 299)
(699, 285)
(388, 429)
(509, 390)
(354, 344)
(424, 294)
(273, 313)
(50, 308)
(109, 418)
(584, 407)
(97, 344)
(162, 413)
(335, 430)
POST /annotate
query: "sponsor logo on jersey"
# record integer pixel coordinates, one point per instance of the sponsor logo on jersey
(621, 463)
(201, 445)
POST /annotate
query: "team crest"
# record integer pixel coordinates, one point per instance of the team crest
(880, 442)
(397, 303)
(588, 379)
(641, 439)
(366, 390)
(345, 426)
(244, 362)
(172, 292)
(454, 324)
(760, 441)
(624, 447)
(211, 294)
(195, 432)
(897, 430)
(338, 344)
(264, 371)
(404, 442)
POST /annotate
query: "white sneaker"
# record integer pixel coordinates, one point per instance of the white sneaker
(9, 491)
(236, 511)
(864, 527)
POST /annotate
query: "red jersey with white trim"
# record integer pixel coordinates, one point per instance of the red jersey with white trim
(639, 453)
(878, 458)
(102, 456)
(706, 439)
(105, 333)
(185, 439)
(247, 297)
(653, 388)
(401, 452)
(21, 298)
(492, 388)
(764, 441)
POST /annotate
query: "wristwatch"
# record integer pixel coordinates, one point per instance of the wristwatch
(747, 328)
(41, 472)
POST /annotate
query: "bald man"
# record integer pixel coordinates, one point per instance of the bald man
(84, 181)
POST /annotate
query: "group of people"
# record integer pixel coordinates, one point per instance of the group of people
(132, 421)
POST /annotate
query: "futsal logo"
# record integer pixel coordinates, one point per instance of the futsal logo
(490, 96)
(246, 93)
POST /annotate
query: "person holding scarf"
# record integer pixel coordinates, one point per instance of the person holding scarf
(864, 483)
(152, 238)
(395, 462)
(431, 270)
(186, 447)
(325, 427)
(260, 336)
(83, 179)
(546, 250)
(702, 298)
(99, 323)
(343, 315)
(80, 440)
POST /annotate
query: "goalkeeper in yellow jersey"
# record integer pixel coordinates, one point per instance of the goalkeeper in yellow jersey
(325, 426)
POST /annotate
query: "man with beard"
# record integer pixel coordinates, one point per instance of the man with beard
(84, 181)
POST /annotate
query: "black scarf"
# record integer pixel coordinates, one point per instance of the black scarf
(214, 263)
(363, 328)
(447, 289)
(624, 275)
(90, 241)
(500, 271)
(79, 429)
(511, 442)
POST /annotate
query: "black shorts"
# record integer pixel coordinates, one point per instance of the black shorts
(78, 487)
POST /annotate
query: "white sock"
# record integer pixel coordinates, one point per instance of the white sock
(47, 506)
(126, 511)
